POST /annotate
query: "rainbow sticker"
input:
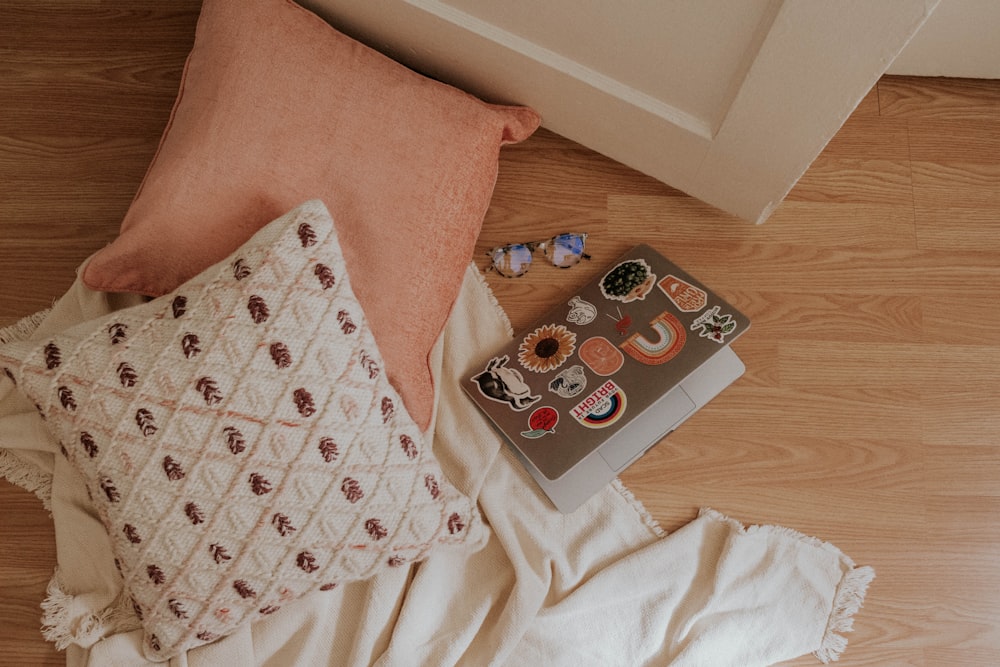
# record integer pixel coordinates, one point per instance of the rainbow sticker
(670, 340)
(602, 408)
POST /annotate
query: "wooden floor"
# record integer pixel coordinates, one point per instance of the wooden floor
(870, 412)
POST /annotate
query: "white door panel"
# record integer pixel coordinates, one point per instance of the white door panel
(729, 101)
(961, 39)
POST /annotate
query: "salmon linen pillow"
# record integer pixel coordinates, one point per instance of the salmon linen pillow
(276, 107)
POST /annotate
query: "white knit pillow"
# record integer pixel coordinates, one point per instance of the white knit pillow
(240, 441)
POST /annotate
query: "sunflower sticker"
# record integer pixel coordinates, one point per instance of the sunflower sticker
(546, 348)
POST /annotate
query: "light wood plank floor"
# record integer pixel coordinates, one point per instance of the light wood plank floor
(870, 412)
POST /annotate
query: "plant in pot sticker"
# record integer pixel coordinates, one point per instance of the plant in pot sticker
(628, 281)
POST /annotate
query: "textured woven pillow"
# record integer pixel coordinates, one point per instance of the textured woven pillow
(276, 108)
(240, 441)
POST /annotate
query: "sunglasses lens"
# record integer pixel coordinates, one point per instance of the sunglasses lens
(565, 250)
(512, 260)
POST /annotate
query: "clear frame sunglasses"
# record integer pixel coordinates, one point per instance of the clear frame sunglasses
(563, 250)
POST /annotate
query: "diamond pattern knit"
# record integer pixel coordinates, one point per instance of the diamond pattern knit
(240, 441)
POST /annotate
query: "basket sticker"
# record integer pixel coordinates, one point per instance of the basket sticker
(630, 280)
(601, 356)
(541, 422)
(714, 326)
(581, 312)
(602, 408)
(684, 295)
(502, 384)
(669, 342)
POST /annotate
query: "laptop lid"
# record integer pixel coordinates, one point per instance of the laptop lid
(588, 477)
(567, 384)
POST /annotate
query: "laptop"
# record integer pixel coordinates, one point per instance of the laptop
(583, 393)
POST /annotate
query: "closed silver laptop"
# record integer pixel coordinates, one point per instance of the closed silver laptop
(597, 381)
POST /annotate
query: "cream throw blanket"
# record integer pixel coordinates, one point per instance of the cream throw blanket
(602, 586)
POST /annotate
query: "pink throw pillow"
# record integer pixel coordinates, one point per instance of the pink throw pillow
(275, 108)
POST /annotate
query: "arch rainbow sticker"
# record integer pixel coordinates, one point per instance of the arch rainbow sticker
(602, 408)
(671, 337)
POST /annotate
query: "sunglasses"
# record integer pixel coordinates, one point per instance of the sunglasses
(563, 250)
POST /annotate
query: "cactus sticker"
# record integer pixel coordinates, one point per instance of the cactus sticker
(628, 281)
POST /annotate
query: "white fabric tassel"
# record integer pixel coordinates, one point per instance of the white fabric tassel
(850, 596)
(23, 328)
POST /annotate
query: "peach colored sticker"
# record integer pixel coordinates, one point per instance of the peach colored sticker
(686, 297)
(601, 356)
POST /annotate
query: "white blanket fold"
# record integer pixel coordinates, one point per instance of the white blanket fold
(602, 586)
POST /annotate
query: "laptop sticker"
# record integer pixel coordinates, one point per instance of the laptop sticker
(684, 295)
(669, 340)
(541, 422)
(581, 312)
(570, 382)
(602, 408)
(628, 281)
(714, 326)
(502, 384)
(546, 348)
(601, 356)
(622, 322)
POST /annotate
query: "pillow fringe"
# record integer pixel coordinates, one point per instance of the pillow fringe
(12, 468)
(27, 476)
(62, 627)
(59, 625)
(23, 328)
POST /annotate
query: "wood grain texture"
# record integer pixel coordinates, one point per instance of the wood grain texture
(87, 87)
(870, 410)
(869, 413)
